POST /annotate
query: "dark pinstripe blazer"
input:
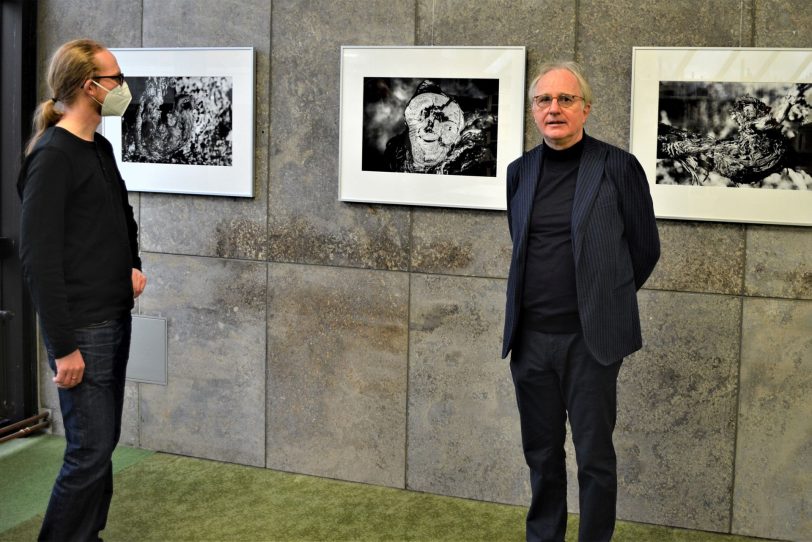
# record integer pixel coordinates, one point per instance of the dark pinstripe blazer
(614, 242)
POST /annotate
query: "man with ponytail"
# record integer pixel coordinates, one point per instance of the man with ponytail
(79, 249)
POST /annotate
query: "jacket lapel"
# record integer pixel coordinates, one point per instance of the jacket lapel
(526, 192)
(590, 174)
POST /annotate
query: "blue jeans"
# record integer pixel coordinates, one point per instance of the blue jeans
(91, 413)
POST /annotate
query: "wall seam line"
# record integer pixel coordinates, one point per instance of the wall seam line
(266, 365)
(575, 33)
(742, 299)
(752, 40)
(267, 244)
(409, 290)
(433, 5)
(416, 35)
(408, 353)
(408, 372)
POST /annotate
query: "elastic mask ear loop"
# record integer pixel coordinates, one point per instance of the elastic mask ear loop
(101, 104)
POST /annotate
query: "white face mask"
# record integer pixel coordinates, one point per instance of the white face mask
(116, 101)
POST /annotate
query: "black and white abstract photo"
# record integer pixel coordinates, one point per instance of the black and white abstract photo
(445, 126)
(732, 134)
(179, 120)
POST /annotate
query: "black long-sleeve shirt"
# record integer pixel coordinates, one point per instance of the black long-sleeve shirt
(78, 240)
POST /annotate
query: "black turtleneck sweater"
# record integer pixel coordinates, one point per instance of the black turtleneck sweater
(550, 299)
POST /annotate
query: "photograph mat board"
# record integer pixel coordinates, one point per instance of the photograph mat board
(650, 67)
(505, 64)
(234, 65)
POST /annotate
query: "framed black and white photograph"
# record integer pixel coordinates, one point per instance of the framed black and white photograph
(725, 134)
(432, 126)
(190, 126)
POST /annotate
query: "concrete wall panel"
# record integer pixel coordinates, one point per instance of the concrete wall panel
(201, 225)
(779, 262)
(307, 224)
(213, 404)
(699, 257)
(676, 425)
(772, 497)
(336, 388)
(459, 242)
(464, 436)
(782, 23)
(113, 24)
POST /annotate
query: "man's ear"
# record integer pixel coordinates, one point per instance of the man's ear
(86, 86)
(90, 87)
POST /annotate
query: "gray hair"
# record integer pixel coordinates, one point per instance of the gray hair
(571, 66)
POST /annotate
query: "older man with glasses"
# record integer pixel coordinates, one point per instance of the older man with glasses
(584, 241)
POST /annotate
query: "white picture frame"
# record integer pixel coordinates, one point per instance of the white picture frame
(470, 76)
(735, 74)
(208, 98)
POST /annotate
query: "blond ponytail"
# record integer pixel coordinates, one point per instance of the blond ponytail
(45, 116)
(71, 65)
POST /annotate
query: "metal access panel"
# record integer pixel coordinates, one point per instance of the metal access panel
(148, 350)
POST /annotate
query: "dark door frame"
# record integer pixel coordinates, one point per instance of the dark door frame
(18, 352)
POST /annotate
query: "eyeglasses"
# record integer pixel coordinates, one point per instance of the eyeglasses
(120, 78)
(565, 101)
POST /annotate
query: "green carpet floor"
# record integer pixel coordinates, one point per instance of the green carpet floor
(28, 467)
(161, 497)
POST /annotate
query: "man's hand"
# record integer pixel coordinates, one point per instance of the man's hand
(69, 370)
(139, 282)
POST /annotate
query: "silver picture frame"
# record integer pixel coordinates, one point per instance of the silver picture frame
(479, 93)
(190, 126)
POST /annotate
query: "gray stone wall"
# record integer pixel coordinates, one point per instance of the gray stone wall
(361, 342)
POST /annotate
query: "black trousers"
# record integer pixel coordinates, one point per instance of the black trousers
(555, 376)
